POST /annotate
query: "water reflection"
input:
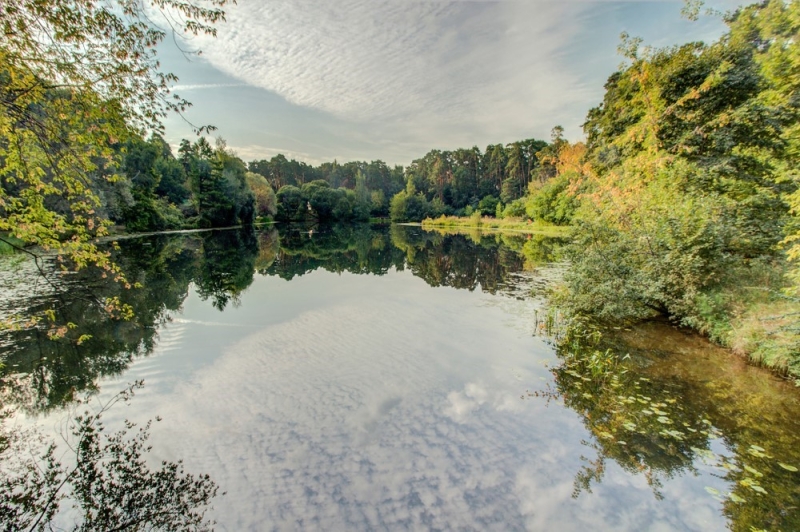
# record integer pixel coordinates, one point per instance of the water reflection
(357, 396)
(688, 409)
(41, 373)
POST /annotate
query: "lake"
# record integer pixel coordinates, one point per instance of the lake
(362, 378)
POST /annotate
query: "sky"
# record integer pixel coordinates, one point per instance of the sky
(319, 80)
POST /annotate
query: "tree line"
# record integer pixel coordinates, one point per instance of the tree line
(456, 182)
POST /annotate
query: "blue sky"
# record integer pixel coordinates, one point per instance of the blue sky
(391, 79)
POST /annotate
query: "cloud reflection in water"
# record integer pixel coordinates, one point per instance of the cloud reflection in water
(397, 407)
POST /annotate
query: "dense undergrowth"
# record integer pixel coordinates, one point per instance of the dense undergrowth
(688, 189)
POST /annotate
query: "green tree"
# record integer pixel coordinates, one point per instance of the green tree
(291, 204)
(76, 77)
(495, 167)
(265, 197)
(219, 186)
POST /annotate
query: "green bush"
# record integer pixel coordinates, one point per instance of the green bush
(409, 208)
(553, 203)
(488, 205)
(291, 204)
(660, 258)
(515, 209)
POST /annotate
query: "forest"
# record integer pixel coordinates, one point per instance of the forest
(205, 186)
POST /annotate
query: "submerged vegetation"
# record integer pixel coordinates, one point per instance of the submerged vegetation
(660, 417)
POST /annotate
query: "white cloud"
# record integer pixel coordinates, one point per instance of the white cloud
(424, 70)
(251, 152)
(202, 86)
(392, 79)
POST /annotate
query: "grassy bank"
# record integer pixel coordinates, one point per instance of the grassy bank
(750, 312)
(7, 244)
(516, 225)
(757, 319)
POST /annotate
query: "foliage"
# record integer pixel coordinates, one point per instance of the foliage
(686, 182)
(376, 175)
(488, 205)
(265, 197)
(220, 193)
(78, 80)
(515, 209)
(448, 182)
(552, 202)
(409, 207)
(319, 202)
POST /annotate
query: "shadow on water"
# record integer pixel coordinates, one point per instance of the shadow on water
(676, 406)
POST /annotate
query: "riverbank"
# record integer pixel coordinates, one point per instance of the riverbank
(763, 326)
(751, 314)
(9, 245)
(515, 225)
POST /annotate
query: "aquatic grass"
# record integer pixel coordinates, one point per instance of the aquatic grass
(485, 223)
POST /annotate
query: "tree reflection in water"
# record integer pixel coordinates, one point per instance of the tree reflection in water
(663, 414)
(104, 479)
(41, 374)
(656, 414)
(107, 481)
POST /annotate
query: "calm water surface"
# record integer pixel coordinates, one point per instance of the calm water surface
(388, 378)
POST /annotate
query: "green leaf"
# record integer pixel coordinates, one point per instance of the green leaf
(754, 471)
(736, 498)
(788, 467)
